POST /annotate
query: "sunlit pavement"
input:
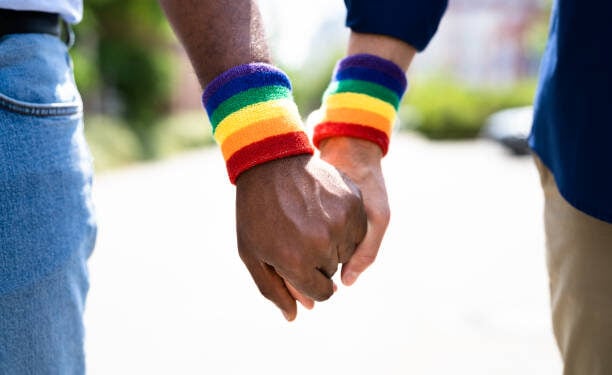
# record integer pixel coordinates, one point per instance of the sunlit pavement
(459, 287)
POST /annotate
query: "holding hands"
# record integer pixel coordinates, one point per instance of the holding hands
(298, 216)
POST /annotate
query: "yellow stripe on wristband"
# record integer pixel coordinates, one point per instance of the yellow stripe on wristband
(361, 101)
(256, 132)
(256, 113)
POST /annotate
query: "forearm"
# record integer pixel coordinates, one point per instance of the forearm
(390, 48)
(218, 34)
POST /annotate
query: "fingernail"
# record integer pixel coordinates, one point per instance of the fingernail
(335, 288)
(349, 278)
(287, 315)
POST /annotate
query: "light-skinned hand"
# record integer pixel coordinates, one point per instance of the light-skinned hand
(360, 160)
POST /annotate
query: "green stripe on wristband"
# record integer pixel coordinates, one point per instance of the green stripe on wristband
(246, 98)
(363, 87)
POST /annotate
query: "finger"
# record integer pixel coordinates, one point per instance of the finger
(314, 284)
(355, 233)
(271, 285)
(305, 301)
(364, 255)
(346, 251)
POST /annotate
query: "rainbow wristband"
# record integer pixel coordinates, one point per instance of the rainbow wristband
(253, 117)
(362, 100)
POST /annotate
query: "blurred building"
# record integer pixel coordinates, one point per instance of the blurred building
(186, 91)
(488, 41)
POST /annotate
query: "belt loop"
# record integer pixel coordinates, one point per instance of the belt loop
(67, 34)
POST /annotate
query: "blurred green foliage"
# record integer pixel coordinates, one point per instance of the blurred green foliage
(124, 65)
(311, 80)
(113, 144)
(123, 62)
(449, 109)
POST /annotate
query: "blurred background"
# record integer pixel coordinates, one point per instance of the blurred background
(142, 98)
(461, 283)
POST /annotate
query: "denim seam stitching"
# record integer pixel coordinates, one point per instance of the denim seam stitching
(33, 109)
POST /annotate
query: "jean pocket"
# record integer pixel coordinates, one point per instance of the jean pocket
(40, 109)
(36, 77)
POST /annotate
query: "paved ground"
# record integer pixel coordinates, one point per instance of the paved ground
(459, 288)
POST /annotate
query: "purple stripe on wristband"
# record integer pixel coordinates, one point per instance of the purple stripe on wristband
(244, 83)
(371, 75)
(239, 79)
(374, 62)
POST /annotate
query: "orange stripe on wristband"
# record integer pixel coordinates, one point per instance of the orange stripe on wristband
(255, 132)
(358, 116)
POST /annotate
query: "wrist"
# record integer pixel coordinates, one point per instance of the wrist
(266, 173)
(254, 117)
(387, 47)
(359, 150)
(362, 100)
(356, 157)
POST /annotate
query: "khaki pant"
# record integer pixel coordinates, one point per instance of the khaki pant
(579, 258)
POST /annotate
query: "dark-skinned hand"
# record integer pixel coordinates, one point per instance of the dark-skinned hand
(297, 218)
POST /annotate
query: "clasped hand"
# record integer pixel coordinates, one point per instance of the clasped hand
(297, 218)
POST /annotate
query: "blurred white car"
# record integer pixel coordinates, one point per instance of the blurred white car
(511, 128)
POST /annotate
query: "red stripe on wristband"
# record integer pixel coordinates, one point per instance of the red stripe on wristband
(341, 129)
(268, 149)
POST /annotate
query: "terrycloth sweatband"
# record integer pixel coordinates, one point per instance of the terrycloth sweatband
(362, 100)
(253, 117)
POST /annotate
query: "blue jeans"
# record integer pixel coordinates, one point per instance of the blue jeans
(47, 227)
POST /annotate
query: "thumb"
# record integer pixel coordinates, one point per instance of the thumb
(364, 255)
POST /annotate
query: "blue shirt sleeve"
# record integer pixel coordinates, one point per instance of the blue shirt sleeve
(413, 21)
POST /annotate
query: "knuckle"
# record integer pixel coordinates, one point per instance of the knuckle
(345, 253)
(322, 240)
(266, 291)
(243, 255)
(329, 269)
(323, 295)
(293, 259)
(382, 216)
(314, 290)
(318, 240)
(366, 260)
